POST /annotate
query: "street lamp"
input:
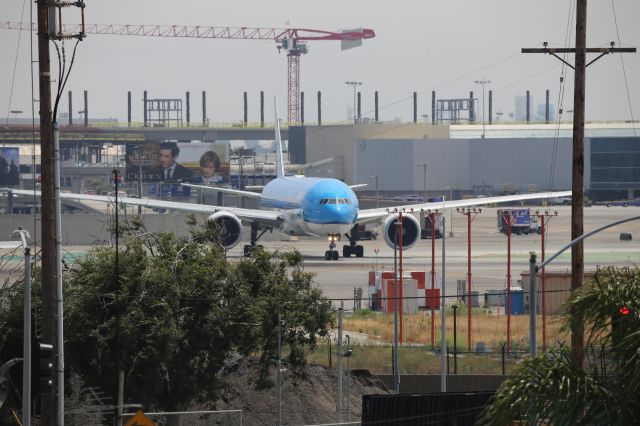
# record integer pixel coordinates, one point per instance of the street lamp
(425, 179)
(355, 85)
(482, 82)
(376, 178)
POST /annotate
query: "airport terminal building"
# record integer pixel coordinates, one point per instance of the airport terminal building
(511, 159)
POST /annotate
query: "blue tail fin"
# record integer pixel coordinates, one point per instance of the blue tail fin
(278, 140)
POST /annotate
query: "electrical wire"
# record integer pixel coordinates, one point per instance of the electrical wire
(444, 84)
(63, 73)
(15, 65)
(624, 70)
(560, 101)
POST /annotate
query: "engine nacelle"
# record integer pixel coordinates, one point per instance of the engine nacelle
(230, 228)
(410, 230)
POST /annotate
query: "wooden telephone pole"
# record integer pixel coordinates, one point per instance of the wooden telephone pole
(50, 28)
(577, 186)
(47, 189)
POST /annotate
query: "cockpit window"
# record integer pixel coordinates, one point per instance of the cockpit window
(335, 201)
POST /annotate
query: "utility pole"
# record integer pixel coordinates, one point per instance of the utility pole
(47, 199)
(577, 186)
(577, 174)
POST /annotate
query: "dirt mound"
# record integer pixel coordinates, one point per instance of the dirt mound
(308, 398)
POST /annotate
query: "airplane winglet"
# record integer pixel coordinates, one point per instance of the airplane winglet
(278, 140)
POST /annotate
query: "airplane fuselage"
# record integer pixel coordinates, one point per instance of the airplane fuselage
(312, 206)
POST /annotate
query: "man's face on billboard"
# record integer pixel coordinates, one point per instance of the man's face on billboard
(166, 158)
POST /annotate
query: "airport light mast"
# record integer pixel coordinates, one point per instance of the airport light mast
(292, 40)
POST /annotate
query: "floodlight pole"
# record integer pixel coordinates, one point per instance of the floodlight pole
(471, 213)
(354, 84)
(482, 82)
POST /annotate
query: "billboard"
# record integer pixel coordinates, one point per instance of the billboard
(175, 162)
(9, 167)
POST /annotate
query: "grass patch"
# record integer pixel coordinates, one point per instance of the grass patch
(487, 326)
(413, 360)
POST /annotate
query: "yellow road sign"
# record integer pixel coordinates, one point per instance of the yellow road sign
(139, 420)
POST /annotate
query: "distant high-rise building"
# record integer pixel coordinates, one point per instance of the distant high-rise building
(521, 107)
(541, 110)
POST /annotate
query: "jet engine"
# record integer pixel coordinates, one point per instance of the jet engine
(230, 228)
(410, 230)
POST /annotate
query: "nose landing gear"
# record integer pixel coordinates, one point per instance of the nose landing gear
(332, 253)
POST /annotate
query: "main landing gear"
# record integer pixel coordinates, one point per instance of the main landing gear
(353, 248)
(248, 248)
(332, 253)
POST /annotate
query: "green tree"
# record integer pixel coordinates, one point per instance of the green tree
(182, 309)
(607, 391)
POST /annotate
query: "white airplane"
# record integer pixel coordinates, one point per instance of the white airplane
(300, 206)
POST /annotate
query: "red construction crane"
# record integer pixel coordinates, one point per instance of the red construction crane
(292, 40)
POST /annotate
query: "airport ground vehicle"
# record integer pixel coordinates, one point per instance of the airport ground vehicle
(624, 203)
(521, 221)
(425, 223)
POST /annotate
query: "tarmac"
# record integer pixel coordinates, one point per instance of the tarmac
(488, 251)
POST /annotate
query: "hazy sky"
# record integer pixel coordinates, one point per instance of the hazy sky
(419, 46)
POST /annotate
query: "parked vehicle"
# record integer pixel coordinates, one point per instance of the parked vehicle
(562, 201)
(521, 221)
(425, 224)
(410, 198)
(367, 232)
(624, 203)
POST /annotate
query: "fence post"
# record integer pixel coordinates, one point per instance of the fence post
(502, 348)
(455, 339)
(447, 360)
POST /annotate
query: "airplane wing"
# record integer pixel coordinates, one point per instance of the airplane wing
(267, 217)
(358, 185)
(225, 190)
(370, 215)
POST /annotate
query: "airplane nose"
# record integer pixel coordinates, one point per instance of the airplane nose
(339, 213)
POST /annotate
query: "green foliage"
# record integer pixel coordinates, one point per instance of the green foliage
(181, 308)
(99, 185)
(607, 391)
